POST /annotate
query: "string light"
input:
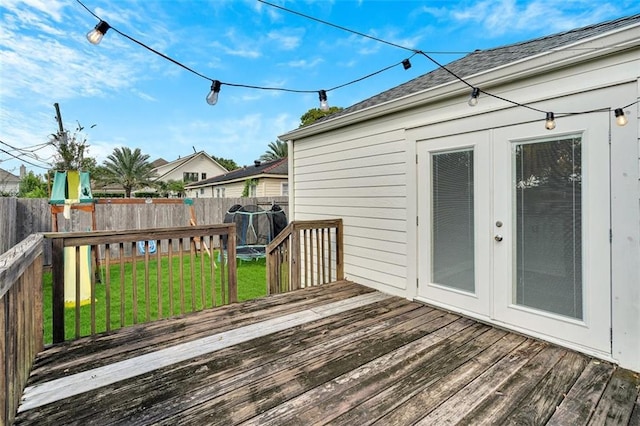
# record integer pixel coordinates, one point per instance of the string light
(324, 105)
(473, 99)
(95, 35)
(550, 124)
(621, 118)
(212, 97)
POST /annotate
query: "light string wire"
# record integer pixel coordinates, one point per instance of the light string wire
(342, 28)
(433, 60)
(247, 86)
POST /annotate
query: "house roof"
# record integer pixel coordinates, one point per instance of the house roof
(5, 176)
(275, 168)
(484, 60)
(159, 162)
(172, 165)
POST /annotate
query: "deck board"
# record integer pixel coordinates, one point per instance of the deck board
(388, 362)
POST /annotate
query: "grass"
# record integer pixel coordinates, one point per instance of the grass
(251, 285)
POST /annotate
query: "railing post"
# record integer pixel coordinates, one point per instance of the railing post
(339, 252)
(233, 271)
(57, 260)
(294, 253)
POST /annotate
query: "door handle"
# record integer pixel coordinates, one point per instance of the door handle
(498, 238)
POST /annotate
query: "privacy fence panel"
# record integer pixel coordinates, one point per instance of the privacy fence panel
(21, 217)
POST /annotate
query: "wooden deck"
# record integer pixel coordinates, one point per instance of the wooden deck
(333, 354)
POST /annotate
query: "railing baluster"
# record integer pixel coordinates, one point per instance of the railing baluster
(134, 282)
(147, 295)
(122, 284)
(203, 286)
(223, 278)
(170, 254)
(318, 258)
(76, 250)
(159, 277)
(107, 284)
(181, 255)
(212, 271)
(192, 261)
(57, 260)
(93, 290)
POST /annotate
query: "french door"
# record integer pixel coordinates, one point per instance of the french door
(514, 229)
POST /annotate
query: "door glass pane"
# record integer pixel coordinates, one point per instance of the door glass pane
(452, 242)
(548, 226)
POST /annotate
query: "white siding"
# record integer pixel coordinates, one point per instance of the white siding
(361, 179)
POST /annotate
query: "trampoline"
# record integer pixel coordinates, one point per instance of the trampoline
(255, 228)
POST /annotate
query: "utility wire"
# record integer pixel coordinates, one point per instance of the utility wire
(23, 160)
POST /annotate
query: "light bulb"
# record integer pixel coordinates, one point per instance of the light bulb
(621, 118)
(95, 35)
(551, 122)
(324, 105)
(473, 99)
(212, 97)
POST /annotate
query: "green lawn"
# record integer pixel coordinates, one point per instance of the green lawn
(251, 284)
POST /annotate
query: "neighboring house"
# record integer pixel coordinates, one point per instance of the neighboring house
(482, 210)
(264, 179)
(192, 168)
(10, 183)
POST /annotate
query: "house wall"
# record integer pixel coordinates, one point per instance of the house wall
(266, 187)
(270, 187)
(366, 174)
(199, 164)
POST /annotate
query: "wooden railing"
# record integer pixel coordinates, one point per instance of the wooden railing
(20, 320)
(138, 276)
(304, 254)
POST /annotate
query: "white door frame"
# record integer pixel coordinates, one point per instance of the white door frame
(493, 298)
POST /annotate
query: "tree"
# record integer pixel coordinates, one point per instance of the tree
(128, 168)
(277, 149)
(32, 186)
(170, 187)
(315, 114)
(71, 149)
(226, 163)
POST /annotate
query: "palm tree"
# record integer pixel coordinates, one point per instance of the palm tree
(277, 149)
(131, 169)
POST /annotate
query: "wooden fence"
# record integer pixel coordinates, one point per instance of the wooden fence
(148, 275)
(22, 217)
(305, 253)
(20, 320)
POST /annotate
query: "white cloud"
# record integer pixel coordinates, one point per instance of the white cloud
(498, 17)
(286, 40)
(303, 63)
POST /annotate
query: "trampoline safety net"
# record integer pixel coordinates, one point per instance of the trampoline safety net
(255, 228)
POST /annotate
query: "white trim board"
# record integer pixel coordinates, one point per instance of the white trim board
(65, 387)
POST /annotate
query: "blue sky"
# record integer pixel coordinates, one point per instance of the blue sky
(140, 100)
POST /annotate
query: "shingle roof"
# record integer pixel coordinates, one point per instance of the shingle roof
(275, 167)
(482, 60)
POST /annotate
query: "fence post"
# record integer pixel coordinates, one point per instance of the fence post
(57, 260)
